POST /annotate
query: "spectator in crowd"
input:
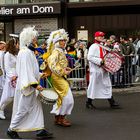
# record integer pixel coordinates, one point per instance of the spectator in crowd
(137, 48)
(116, 78)
(112, 39)
(128, 50)
(82, 58)
(72, 57)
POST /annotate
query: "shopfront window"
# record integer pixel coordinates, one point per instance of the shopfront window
(104, 0)
(24, 1)
(1, 31)
(74, 0)
(83, 0)
(2, 2)
(8, 1)
(36, 1)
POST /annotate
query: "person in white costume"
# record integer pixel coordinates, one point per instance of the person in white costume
(10, 75)
(27, 109)
(58, 65)
(2, 52)
(100, 86)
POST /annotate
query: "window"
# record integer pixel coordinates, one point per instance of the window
(89, 0)
(1, 31)
(8, 1)
(2, 2)
(25, 1)
(35, 1)
(74, 0)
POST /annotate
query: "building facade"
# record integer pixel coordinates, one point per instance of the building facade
(81, 18)
(45, 16)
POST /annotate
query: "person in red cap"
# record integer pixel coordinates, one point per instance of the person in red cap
(99, 34)
(100, 86)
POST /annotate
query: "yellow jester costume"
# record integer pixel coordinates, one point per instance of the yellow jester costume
(57, 62)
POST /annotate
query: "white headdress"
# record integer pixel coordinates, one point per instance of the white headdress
(27, 35)
(53, 39)
(56, 36)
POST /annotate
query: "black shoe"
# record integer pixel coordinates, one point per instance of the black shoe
(90, 105)
(44, 134)
(13, 134)
(113, 103)
(115, 106)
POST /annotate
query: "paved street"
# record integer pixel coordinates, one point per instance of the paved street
(100, 124)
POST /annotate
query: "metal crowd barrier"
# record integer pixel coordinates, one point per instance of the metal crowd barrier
(128, 75)
(77, 78)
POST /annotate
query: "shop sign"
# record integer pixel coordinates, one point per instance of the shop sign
(35, 9)
(82, 34)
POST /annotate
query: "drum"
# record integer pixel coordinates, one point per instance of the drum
(48, 96)
(112, 62)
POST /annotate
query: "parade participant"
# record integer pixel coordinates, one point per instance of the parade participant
(58, 65)
(10, 75)
(27, 110)
(2, 74)
(99, 84)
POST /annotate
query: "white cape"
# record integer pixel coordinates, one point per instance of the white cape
(27, 110)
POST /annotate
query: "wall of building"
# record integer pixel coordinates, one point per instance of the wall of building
(118, 24)
(89, 16)
(46, 17)
(113, 19)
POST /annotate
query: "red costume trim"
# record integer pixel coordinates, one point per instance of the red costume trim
(101, 49)
(101, 53)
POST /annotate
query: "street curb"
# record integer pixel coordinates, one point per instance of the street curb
(132, 89)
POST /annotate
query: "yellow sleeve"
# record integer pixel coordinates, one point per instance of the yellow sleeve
(45, 55)
(54, 63)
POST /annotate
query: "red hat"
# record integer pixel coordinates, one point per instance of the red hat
(99, 33)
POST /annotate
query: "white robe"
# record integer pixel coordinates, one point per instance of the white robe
(66, 107)
(2, 78)
(100, 84)
(8, 89)
(27, 109)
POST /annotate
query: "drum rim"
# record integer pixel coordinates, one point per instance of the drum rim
(51, 89)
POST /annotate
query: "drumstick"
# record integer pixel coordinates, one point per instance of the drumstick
(49, 83)
(75, 67)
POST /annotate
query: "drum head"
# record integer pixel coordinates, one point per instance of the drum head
(49, 94)
(112, 62)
